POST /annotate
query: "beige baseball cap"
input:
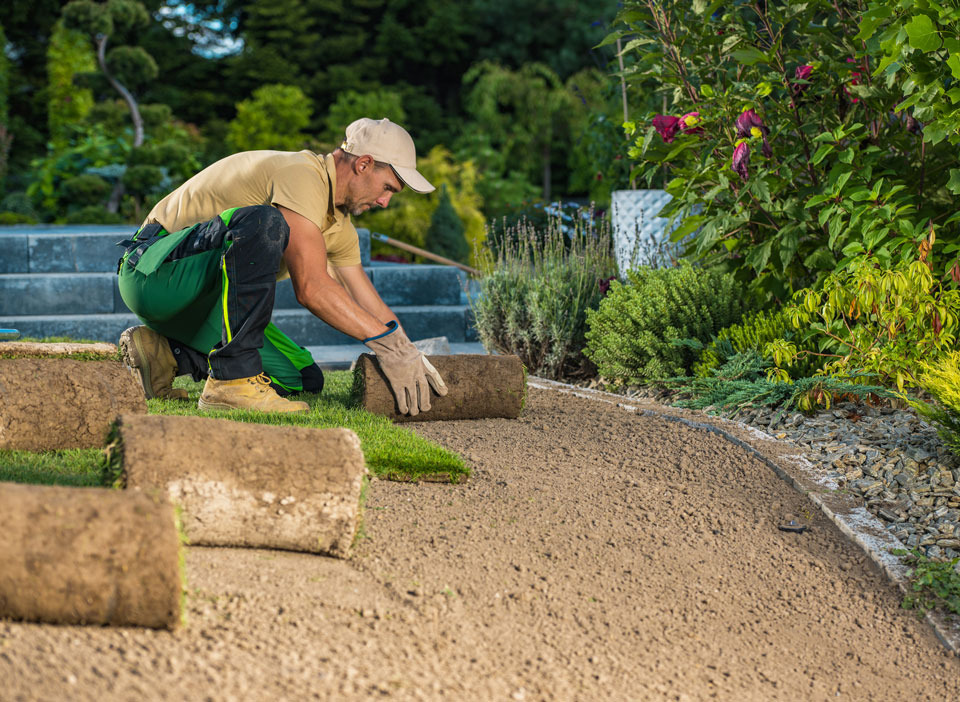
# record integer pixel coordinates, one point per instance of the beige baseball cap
(388, 143)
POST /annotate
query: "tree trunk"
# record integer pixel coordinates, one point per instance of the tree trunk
(113, 204)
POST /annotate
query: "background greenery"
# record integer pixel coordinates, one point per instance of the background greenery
(506, 109)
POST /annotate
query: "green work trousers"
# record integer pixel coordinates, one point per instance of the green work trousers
(210, 289)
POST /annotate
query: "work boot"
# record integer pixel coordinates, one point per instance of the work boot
(252, 393)
(147, 354)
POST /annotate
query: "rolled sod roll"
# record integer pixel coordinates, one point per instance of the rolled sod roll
(89, 556)
(58, 403)
(479, 387)
(254, 485)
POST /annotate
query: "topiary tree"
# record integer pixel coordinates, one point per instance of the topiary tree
(124, 67)
(273, 118)
(446, 233)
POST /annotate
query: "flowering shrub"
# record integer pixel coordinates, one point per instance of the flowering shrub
(917, 43)
(782, 148)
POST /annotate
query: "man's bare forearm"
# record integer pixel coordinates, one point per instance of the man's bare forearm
(333, 305)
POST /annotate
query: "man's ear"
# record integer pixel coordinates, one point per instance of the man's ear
(363, 163)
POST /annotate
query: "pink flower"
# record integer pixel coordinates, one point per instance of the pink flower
(802, 73)
(741, 159)
(747, 121)
(749, 125)
(666, 127)
(854, 79)
(689, 122)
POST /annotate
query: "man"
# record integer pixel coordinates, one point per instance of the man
(202, 270)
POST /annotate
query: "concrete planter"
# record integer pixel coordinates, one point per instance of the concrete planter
(638, 233)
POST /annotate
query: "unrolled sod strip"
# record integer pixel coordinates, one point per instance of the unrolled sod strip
(56, 403)
(89, 556)
(478, 387)
(243, 484)
(33, 349)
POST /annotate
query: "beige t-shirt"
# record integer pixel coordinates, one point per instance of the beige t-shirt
(298, 180)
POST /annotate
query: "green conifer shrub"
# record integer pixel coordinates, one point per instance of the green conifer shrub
(744, 381)
(753, 333)
(446, 233)
(942, 380)
(634, 336)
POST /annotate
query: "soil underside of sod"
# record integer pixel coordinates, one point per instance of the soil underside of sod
(594, 554)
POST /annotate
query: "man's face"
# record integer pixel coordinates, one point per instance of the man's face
(371, 186)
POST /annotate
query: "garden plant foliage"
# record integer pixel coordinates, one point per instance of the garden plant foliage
(884, 322)
(743, 381)
(537, 290)
(785, 142)
(942, 380)
(753, 333)
(918, 43)
(935, 584)
(633, 336)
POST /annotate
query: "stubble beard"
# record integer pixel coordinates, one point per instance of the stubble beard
(354, 208)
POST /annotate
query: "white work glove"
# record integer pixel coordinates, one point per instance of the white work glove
(408, 371)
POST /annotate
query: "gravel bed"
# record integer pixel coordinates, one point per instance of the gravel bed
(889, 457)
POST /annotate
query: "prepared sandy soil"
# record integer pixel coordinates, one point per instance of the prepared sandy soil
(594, 555)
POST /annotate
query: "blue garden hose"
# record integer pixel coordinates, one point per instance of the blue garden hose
(8, 334)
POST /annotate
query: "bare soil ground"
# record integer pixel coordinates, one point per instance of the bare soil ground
(594, 555)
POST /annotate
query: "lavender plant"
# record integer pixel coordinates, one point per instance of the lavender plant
(537, 288)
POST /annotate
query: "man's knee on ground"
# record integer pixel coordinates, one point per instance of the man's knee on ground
(312, 378)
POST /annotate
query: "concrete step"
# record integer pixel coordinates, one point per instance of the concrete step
(61, 249)
(420, 322)
(97, 293)
(79, 248)
(400, 284)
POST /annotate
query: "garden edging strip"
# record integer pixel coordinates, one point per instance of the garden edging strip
(841, 507)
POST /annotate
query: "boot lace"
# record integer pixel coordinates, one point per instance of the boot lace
(262, 382)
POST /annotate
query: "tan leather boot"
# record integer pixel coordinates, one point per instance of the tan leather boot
(246, 393)
(147, 354)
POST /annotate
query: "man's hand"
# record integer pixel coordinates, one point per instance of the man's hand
(408, 371)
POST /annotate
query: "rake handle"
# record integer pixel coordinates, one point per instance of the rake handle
(423, 252)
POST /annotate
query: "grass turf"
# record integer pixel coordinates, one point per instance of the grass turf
(391, 451)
